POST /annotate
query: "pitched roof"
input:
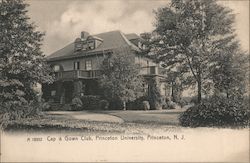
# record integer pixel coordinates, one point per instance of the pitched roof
(132, 36)
(111, 40)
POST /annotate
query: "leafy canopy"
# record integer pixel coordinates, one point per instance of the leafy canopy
(22, 63)
(194, 37)
(121, 80)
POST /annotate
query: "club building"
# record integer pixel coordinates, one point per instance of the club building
(77, 66)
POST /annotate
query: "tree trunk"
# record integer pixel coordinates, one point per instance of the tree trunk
(124, 105)
(172, 92)
(199, 91)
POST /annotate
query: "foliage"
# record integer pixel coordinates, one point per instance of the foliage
(230, 73)
(104, 104)
(121, 80)
(155, 98)
(90, 102)
(22, 64)
(137, 104)
(194, 38)
(10, 112)
(146, 105)
(216, 111)
(76, 103)
(45, 106)
(183, 102)
(115, 104)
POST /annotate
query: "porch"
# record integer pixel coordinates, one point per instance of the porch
(95, 74)
(63, 91)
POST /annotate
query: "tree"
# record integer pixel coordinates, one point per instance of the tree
(230, 71)
(190, 35)
(22, 63)
(155, 98)
(121, 80)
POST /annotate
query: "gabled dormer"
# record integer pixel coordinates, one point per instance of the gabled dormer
(86, 42)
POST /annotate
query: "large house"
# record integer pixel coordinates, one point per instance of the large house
(77, 66)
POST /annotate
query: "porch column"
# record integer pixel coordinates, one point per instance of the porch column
(77, 88)
(59, 91)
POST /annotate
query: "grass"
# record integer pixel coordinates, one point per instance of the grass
(50, 123)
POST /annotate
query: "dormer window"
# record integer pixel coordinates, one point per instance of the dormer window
(139, 44)
(78, 44)
(91, 44)
(87, 42)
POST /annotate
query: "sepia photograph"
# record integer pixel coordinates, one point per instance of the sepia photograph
(124, 81)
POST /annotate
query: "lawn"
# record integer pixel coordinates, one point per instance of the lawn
(135, 122)
(199, 144)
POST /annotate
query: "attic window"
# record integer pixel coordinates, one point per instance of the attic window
(87, 42)
(139, 44)
(91, 44)
(78, 44)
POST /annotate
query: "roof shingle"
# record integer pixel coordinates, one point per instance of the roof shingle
(111, 40)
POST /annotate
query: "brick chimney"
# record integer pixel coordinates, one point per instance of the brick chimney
(84, 35)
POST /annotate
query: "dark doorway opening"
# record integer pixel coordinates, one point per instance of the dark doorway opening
(68, 91)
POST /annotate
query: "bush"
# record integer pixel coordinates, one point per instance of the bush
(194, 100)
(155, 98)
(216, 111)
(116, 105)
(45, 106)
(173, 105)
(104, 104)
(146, 105)
(90, 102)
(12, 112)
(76, 103)
(137, 104)
(183, 102)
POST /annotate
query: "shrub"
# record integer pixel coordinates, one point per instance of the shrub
(216, 111)
(155, 99)
(172, 105)
(45, 106)
(183, 102)
(104, 104)
(90, 102)
(116, 105)
(76, 103)
(194, 100)
(146, 105)
(137, 104)
(11, 112)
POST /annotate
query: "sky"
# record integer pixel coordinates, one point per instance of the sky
(63, 20)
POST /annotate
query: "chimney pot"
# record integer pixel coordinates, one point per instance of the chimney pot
(84, 35)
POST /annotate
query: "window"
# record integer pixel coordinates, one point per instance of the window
(56, 68)
(88, 65)
(76, 65)
(139, 44)
(53, 93)
(78, 44)
(91, 45)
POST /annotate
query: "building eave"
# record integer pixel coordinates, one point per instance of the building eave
(77, 55)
